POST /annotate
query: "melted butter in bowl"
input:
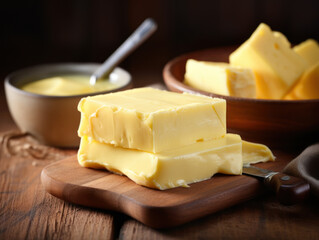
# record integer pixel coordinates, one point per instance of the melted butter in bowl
(43, 99)
(68, 85)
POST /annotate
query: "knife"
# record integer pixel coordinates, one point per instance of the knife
(289, 190)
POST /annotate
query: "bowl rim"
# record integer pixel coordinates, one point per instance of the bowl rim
(170, 80)
(9, 77)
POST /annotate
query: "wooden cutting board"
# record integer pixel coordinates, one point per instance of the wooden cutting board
(69, 181)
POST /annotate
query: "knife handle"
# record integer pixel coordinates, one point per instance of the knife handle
(289, 190)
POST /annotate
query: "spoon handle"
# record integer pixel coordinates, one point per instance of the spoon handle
(144, 31)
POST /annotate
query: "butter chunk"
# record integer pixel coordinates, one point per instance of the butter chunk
(308, 85)
(276, 66)
(152, 120)
(309, 50)
(220, 78)
(168, 169)
(255, 153)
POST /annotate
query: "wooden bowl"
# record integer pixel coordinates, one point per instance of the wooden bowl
(277, 123)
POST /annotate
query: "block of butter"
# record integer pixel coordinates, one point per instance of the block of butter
(147, 119)
(152, 120)
(168, 169)
(276, 66)
(308, 50)
(308, 85)
(220, 78)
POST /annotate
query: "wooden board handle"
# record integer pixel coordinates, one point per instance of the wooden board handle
(289, 190)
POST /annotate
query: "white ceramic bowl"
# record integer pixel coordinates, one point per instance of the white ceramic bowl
(53, 120)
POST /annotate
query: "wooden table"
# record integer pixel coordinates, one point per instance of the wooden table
(27, 211)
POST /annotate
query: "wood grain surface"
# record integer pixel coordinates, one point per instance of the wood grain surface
(27, 211)
(67, 180)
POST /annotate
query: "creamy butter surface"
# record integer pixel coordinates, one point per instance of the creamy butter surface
(168, 169)
(67, 85)
(152, 120)
(220, 78)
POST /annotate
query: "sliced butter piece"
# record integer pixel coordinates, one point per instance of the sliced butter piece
(152, 120)
(308, 85)
(255, 153)
(276, 66)
(308, 50)
(220, 78)
(178, 167)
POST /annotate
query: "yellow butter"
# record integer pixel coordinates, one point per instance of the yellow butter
(67, 85)
(152, 120)
(168, 169)
(256, 153)
(308, 85)
(276, 66)
(220, 78)
(308, 50)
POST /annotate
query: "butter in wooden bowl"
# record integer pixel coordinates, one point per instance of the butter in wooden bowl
(281, 72)
(161, 139)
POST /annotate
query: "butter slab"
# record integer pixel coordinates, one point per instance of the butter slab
(152, 120)
(169, 169)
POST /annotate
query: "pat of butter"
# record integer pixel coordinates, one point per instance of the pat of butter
(255, 153)
(309, 50)
(308, 85)
(152, 120)
(276, 66)
(168, 169)
(220, 78)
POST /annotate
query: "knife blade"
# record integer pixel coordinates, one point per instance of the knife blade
(289, 190)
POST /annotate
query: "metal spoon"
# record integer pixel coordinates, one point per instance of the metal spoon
(143, 32)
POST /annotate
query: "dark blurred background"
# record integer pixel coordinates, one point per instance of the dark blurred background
(47, 31)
